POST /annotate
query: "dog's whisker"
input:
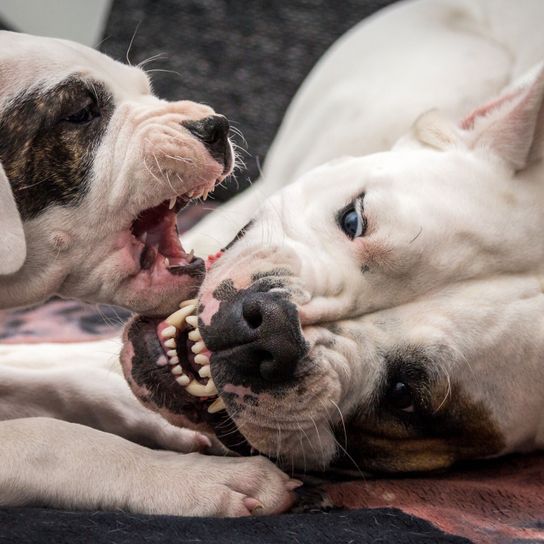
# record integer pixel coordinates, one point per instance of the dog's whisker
(131, 43)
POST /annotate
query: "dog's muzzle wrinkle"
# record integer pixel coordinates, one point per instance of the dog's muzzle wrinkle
(213, 131)
(259, 335)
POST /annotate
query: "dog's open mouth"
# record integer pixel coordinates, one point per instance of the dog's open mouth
(168, 365)
(156, 235)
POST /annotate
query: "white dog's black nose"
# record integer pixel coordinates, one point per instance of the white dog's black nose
(213, 131)
(258, 336)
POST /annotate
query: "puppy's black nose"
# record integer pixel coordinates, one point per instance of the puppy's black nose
(258, 336)
(213, 131)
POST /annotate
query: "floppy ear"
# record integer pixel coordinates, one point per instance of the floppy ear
(511, 126)
(12, 236)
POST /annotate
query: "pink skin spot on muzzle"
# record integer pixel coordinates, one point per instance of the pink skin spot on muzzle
(210, 304)
(212, 259)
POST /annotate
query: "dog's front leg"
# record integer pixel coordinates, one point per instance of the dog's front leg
(91, 396)
(64, 465)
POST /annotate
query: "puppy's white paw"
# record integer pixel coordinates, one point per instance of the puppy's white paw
(199, 485)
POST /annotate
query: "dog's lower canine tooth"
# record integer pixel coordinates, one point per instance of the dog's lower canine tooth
(198, 347)
(166, 262)
(183, 380)
(205, 372)
(192, 320)
(198, 390)
(190, 302)
(194, 335)
(177, 319)
(169, 332)
(176, 370)
(170, 343)
(216, 406)
(201, 359)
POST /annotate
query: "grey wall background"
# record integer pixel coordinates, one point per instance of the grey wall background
(246, 58)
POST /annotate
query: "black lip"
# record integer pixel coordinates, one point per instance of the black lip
(166, 394)
(195, 269)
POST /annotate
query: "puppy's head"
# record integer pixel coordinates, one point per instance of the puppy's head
(96, 168)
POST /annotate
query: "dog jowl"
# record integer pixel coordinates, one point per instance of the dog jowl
(98, 168)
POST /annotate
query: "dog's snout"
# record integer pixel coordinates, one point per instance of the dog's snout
(260, 334)
(213, 131)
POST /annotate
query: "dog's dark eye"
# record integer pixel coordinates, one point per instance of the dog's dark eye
(401, 397)
(85, 115)
(352, 223)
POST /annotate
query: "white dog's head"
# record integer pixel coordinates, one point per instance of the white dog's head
(369, 312)
(95, 168)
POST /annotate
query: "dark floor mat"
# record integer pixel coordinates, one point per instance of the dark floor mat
(32, 526)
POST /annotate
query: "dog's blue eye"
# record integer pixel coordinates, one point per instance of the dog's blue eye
(352, 223)
(85, 115)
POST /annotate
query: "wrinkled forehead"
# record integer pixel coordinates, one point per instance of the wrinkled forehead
(27, 61)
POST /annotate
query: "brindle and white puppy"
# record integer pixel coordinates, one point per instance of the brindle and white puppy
(93, 169)
(384, 311)
(98, 167)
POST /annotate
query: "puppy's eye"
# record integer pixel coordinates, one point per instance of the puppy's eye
(353, 223)
(84, 115)
(401, 397)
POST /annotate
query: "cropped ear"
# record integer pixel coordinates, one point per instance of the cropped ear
(512, 125)
(12, 236)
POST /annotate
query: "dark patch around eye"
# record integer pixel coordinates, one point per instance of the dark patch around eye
(446, 425)
(239, 235)
(47, 161)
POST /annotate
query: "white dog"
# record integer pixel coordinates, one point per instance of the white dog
(301, 354)
(93, 170)
(385, 310)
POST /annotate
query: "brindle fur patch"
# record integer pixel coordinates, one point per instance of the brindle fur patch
(48, 159)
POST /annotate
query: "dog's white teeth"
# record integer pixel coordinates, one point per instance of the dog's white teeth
(169, 332)
(201, 359)
(190, 302)
(178, 318)
(183, 380)
(191, 256)
(167, 262)
(172, 353)
(198, 347)
(205, 194)
(143, 237)
(170, 343)
(172, 202)
(216, 406)
(192, 320)
(174, 360)
(199, 390)
(194, 335)
(176, 370)
(205, 372)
